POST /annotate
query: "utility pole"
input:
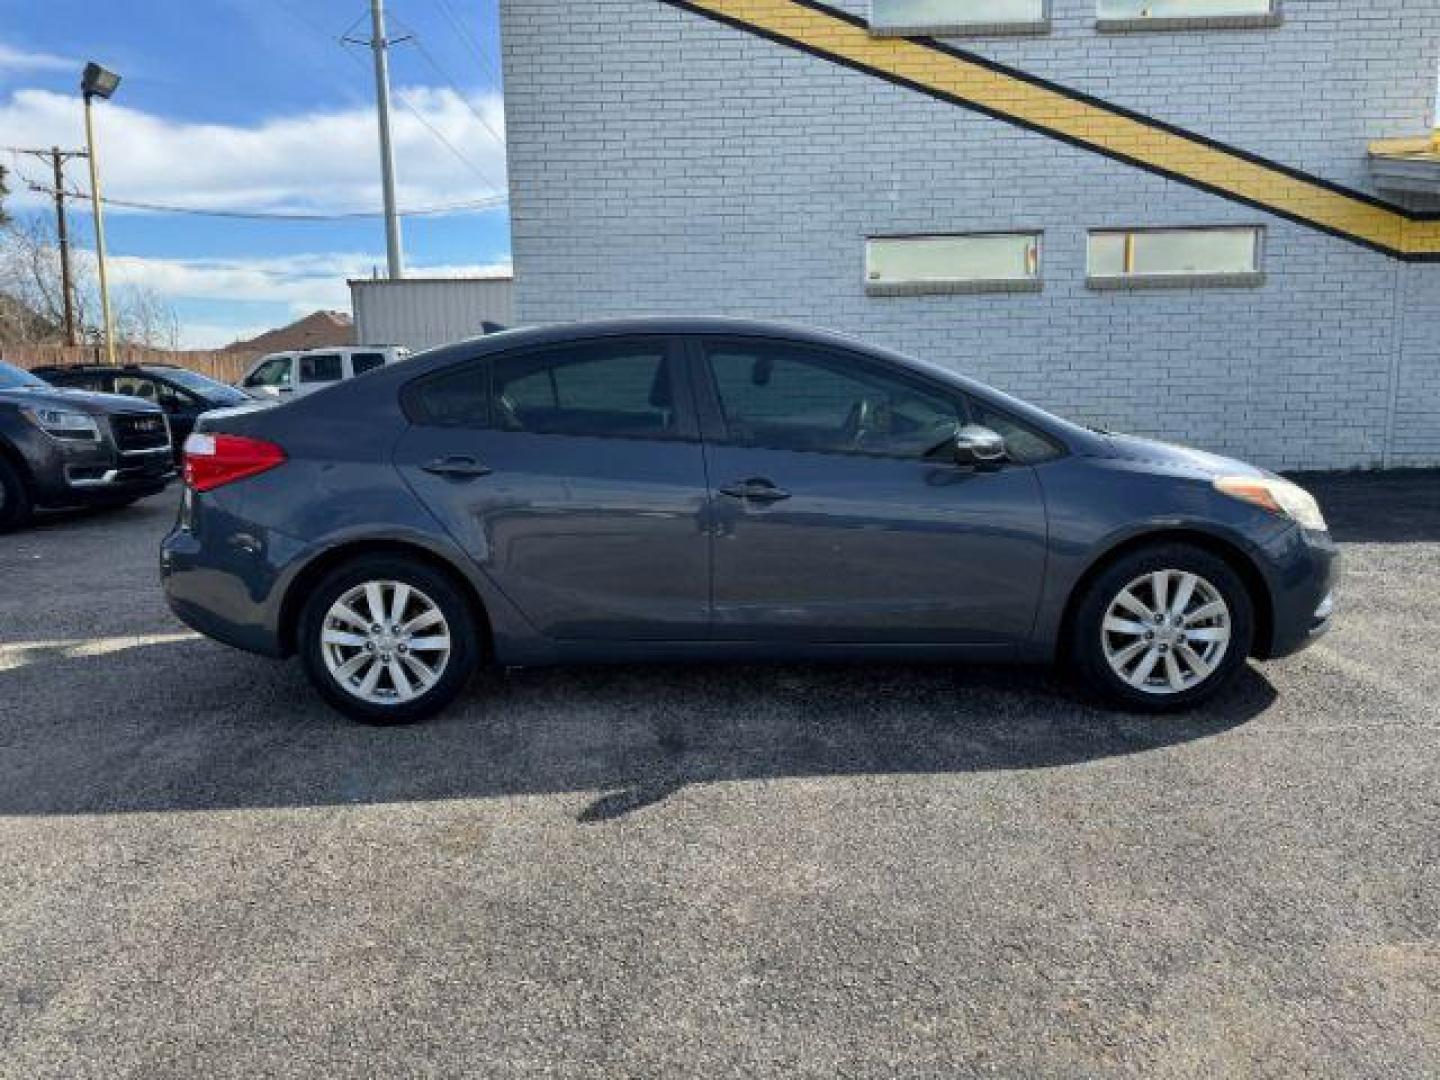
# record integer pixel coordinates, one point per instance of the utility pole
(58, 158)
(379, 45)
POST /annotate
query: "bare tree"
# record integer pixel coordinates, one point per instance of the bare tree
(32, 304)
(142, 317)
(30, 282)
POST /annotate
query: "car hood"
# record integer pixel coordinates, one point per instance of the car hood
(83, 401)
(1169, 455)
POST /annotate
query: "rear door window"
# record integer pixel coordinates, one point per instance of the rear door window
(605, 388)
(320, 368)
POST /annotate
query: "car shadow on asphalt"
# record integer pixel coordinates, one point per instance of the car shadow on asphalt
(189, 725)
(1396, 507)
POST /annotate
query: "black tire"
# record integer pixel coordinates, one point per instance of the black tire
(1088, 638)
(438, 587)
(16, 505)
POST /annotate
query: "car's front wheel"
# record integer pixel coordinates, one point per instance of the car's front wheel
(1163, 628)
(388, 640)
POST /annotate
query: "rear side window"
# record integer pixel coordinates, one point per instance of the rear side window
(361, 362)
(458, 397)
(589, 388)
(322, 368)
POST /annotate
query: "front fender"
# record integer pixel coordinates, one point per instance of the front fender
(1099, 507)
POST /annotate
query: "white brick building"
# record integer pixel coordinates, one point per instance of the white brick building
(758, 157)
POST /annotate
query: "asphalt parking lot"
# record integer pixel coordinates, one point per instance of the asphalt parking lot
(683, 871)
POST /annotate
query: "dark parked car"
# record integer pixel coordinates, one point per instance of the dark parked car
(66, 448)
(181, 393)
(656, 489)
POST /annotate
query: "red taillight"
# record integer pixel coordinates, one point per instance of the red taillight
(215, 460)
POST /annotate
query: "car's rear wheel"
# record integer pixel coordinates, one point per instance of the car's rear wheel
(1163, 628)
(388, 640)
(15, 502)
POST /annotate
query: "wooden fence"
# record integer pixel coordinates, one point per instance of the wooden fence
(225, 366)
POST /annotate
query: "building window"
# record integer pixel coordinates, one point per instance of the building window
(1174, 258)
(975, 262)
(1186, 14)
(908, 17)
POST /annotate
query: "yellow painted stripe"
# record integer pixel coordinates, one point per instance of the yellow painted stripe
(1084, 122)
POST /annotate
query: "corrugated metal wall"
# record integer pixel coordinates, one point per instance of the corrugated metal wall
(420, 313)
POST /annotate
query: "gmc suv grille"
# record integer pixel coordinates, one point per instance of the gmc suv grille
(140, 431)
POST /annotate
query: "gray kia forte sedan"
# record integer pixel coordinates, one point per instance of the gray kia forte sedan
(706, 488)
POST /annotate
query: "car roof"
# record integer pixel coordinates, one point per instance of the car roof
(98, 369)
(711, 325)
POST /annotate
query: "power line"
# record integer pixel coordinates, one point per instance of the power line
(454, 150)
(474, 43)
(487, 203)
(445, 76)
(316, 28)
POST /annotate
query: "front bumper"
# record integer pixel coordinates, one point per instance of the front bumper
(1304, 593)
(70, 473)
(127, 476)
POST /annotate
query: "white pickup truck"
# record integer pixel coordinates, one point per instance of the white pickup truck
(294, 374)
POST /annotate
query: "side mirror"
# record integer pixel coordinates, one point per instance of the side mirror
(979, 446)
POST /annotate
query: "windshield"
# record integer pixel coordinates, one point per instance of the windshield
(14, 378)
(206, 387)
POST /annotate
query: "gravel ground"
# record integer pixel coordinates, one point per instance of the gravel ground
(685, 871)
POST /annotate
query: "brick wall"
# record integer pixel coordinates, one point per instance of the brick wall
(661, 163)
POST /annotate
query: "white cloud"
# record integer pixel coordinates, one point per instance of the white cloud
(317, 161)
(13, 60)
(303, 283)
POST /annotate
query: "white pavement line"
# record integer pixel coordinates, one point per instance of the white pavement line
(18, 654)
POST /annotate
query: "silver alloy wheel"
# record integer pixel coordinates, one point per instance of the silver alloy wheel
(1166, 632)
(385, 642)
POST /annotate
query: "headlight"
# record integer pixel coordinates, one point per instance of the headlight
(1277, 496)
(63, 424)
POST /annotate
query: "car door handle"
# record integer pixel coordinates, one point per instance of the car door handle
(457, 468)
(755, 490)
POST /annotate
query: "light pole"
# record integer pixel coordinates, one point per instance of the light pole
(97, 82)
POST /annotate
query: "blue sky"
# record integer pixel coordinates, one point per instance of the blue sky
(253, 105)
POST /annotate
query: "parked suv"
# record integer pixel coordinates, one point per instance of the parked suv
(62, 448)
(724, 489)
(295, 374)
(182, 394)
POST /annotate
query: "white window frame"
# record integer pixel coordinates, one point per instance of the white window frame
(1247, 279)
(950, 286)
(1255, 20)
(963, 27)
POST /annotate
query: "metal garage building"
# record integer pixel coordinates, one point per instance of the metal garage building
(1211, 219)
(423, 312)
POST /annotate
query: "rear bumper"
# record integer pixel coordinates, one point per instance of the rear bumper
(1303, 593)
(227, 592)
